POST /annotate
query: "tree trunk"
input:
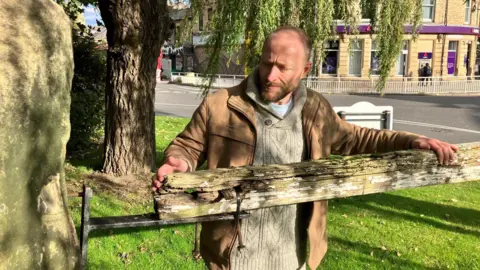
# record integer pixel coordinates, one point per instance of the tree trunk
(36, 231)
(213, 192)
(136, 31)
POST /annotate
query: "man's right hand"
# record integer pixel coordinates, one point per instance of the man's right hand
(171, 165)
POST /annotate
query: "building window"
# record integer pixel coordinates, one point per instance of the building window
(452, 57)
(200, 21)
(355, 59)
(337, 13)
(209, 14)
(468, 11)
(367, 11)
(374, 60)
(428, 7)
(401, 66)
(330, 62)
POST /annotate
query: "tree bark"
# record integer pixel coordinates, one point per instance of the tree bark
(213, 192)
(36, 231)
(136, 31)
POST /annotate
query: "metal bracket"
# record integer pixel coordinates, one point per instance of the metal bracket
(133, 221)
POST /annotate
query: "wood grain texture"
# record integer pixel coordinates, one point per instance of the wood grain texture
(212, 192)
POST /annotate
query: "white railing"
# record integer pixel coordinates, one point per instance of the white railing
(196, 79)
(432, 85)
(338, 85)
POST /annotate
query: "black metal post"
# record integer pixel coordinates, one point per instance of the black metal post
(85, 226)
(386, 115)
(342, 115)
(134, 221)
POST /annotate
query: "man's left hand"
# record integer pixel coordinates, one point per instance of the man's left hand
(445, 151)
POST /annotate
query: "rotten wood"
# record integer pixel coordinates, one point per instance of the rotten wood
(213, 192)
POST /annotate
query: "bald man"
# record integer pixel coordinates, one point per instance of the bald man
(272, 118)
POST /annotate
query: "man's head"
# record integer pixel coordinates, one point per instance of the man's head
(427, 64)
(284, 62)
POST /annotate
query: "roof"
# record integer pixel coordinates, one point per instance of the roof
(178, 14)
(99, 32)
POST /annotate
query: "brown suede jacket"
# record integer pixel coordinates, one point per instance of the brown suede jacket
(222, 132)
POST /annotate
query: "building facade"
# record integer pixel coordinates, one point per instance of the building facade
(447, 40)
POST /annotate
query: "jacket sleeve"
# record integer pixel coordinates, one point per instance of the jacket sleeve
(191, 144)
(350, 139)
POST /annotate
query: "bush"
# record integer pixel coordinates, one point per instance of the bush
(87, 114)
(165, 76)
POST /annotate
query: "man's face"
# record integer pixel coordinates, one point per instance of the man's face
(282, 65)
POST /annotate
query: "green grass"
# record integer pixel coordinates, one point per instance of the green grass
(166, 128)
(424, 228)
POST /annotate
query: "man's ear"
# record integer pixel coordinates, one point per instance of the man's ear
(306, 69)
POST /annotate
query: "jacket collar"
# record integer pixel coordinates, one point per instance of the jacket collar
(238, 101)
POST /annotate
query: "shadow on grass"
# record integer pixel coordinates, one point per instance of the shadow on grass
(91, 158)
(468, 216)
(362, 251)
(465, 216)
(130, 231)
(163, 113)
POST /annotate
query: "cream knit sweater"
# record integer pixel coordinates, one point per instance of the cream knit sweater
(272, 236)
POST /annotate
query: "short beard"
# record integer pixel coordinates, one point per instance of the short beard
(284, 91)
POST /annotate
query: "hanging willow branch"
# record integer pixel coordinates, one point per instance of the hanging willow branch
(392, 17)
(247, 23)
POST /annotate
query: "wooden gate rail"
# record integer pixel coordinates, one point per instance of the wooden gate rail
(204, 193)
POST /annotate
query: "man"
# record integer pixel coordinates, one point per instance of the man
(271, 118)
(427, 73)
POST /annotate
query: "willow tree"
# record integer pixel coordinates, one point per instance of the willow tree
(252, 20)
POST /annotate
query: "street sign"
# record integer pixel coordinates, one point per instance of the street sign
(424, 55)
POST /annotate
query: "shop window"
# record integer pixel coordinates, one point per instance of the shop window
(209, 14)
(401, 65)
(428, 8)
(356, 57)
(374, 60)
(200, 21)
(330, 62)
(452, 57)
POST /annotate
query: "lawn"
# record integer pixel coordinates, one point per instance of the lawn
(424, 228)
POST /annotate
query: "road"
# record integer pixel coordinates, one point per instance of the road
(454, 119)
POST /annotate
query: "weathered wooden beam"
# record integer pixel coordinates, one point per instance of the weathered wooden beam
(212, 192)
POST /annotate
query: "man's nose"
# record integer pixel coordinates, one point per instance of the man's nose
(273, 74)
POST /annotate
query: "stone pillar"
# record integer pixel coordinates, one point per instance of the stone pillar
(412, 63)
(437, 57)
(367, 54)
(461, 53)
(36, 231)
(343, 55)
(473, 56)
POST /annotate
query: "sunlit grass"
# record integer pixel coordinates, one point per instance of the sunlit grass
(424, 228)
